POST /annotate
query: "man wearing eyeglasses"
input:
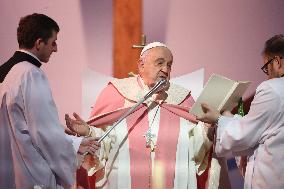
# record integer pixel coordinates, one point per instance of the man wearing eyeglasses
(260, 134)
(270, 61)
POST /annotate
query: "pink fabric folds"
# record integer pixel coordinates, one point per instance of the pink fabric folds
(109, 108)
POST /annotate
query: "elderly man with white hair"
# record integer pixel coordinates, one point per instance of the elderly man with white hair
(160, 145)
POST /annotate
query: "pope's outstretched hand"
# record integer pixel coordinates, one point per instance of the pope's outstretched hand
(76, 126)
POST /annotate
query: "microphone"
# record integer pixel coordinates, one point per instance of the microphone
(157, 87)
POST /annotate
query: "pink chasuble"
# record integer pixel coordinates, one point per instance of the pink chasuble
(110, 106)
(165, 151)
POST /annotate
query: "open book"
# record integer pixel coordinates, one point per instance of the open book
(220, 93)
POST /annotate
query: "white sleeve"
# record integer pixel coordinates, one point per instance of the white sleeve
(45, 129)
(241, 135)
(76, 141)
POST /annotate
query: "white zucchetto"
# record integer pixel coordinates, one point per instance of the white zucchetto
(152, 45)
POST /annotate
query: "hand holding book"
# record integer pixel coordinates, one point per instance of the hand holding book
(210, 114)
(219, 93)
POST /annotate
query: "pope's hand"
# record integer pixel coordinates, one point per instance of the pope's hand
(89, 145)
(77, 125)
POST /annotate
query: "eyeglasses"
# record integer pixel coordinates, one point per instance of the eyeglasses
(265, 66)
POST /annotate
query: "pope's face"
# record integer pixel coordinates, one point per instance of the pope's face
(156, 65)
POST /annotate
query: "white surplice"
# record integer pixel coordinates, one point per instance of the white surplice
(258, 135)
(34, 149)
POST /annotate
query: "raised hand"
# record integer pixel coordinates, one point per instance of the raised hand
(76, 126)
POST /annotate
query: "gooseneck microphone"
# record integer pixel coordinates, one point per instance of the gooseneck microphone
(156, 88)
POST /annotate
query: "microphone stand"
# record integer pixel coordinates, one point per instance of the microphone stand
(161, 83)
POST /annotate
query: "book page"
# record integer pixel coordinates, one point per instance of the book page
(227, 96)
(214, 92)
(235, 96)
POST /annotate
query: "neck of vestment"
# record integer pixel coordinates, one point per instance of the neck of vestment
(18, 57)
